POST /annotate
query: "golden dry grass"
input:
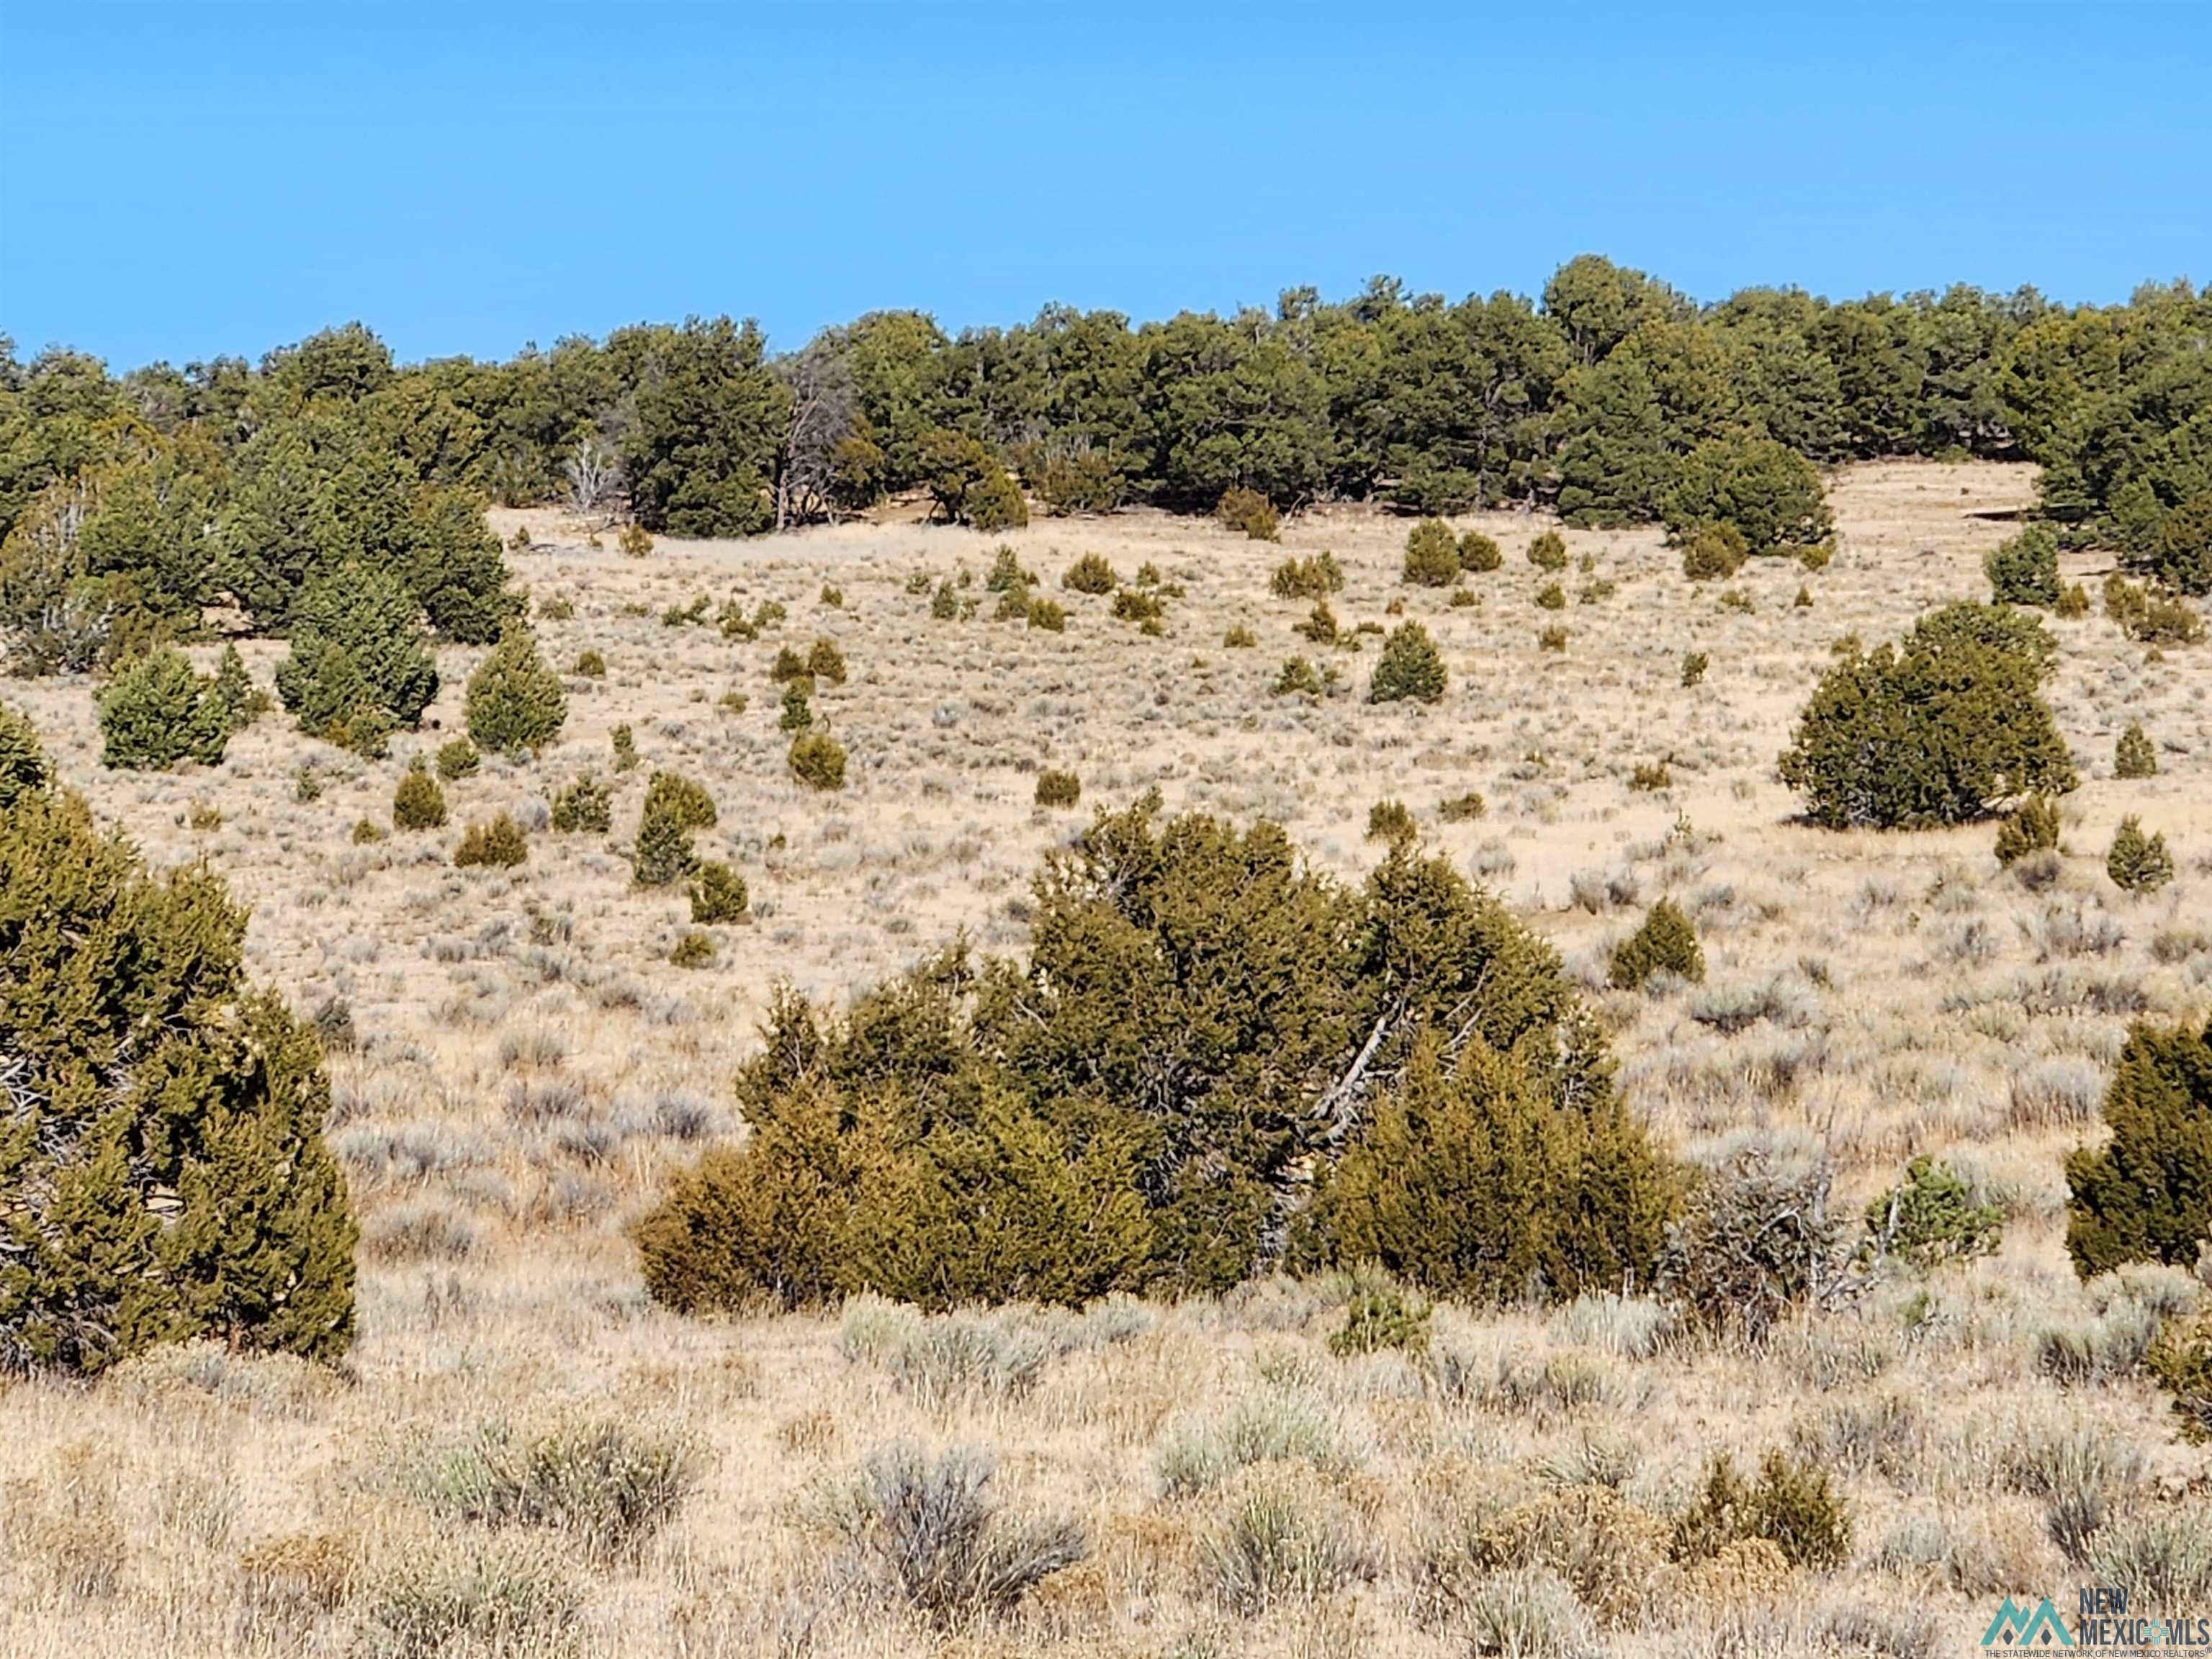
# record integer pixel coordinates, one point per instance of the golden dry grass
(531, 1064)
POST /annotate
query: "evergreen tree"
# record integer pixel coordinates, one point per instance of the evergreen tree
(1410, 667)
(23, 765)
(515, 704)
(156, 712)
(357, 668)
(2146, 1195)
(165, 1177)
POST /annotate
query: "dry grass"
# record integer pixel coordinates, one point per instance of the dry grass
(529, 1063)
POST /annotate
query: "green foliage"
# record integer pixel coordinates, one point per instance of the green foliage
(1057, 789)
(818, 760)
(1694, 664)
(1554, 638)
(583, 808)
(2180, 1362)
(2138, 863)
(2133, 755)
(1462, 809)
(1651, 776)
(683, 800)
(1768, 492)
(234, 692)
(1713, 552)
(1314, 577)
(604, 1483)
(1431, 554)
(357, 669)
(1938, 730)
(1792, 1506)
(1380, 1315)
(625, 748)
(662, 854)
(419, 803)
(1006, 575)
(1479, 554)
(695, 948)
(497, 845)
(2179, 553)
(1390, 822)
(1141, 606)
(796, 710)
(709, 417)
(1929, 1219)
(515, 705)
(2146, 1195)
(1666, 943)
(1548, 551)
(2030, 827)
(1250, 511)
(1047, 616)
(2023, 569)
(967, 483)
(1238, 637)
(945, 603)
(1090, 574)
(24, 767)
(2073, 604)
(157, 712)
(1299, 676)
(2149, 616)
(1198, 1023)
(1550, 597)
(459, 758)
(718, 893)
(1410, 668)
(165, 1169)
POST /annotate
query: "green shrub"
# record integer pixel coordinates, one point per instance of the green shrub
(497, 845)
(1665, 944)
(662, 854)
(2030, 827)
(2146, 1195)
(681, 799)
(1694, 664)
(1380, 1315)
(590, 666)
(2023, 569)
(1929, 1219)
(1938, 730)
(1554, 638)
(1462, 809)
(515, 705)
(944, 603)
(1058, 789)
(1767, 491)
(1301, 677)
(1713, 552)
(2151, 617)
(2138, 863)
(557, 609)
(1389, 822)
(1479, 554)
(1792, 1506)
(1136, 605)
(718, 894)
(1320, 627)
(996, 503)
(419, 803)
(1239, 638)
(234, 692)
(358, 669)
(825, 662)
(156, 712)
(1090, 574)
(1098, 1118)
(1314, 577)
(2180, 1362)
(166, 1119)
(367, 832)
(635, 540)
(625, 748)
(1048, 615)
(584, 808)
(1410, 668)
(1249, 512)
(1431, 554)
(1550, 597)
(2072, 604)
(1007, 575)
(693, 949)
(2180, 555)
(1651, 776)
(1548, 551)
(2133, 756)
(818, 760)
(458, 759)
(796, 712)
(23, 765)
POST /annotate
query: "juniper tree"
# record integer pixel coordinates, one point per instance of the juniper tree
(1409, 668)
(515, 704)
(156, 712)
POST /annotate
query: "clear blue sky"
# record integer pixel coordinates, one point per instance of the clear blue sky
(190, 177)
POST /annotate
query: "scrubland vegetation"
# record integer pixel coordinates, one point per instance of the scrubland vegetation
(1556, 1002)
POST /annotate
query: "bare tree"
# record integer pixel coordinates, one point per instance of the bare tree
(592, 472)
(822, 408)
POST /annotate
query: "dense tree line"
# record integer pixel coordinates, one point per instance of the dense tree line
(128, 504)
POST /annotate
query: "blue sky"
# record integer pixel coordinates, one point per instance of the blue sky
(179, 180)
